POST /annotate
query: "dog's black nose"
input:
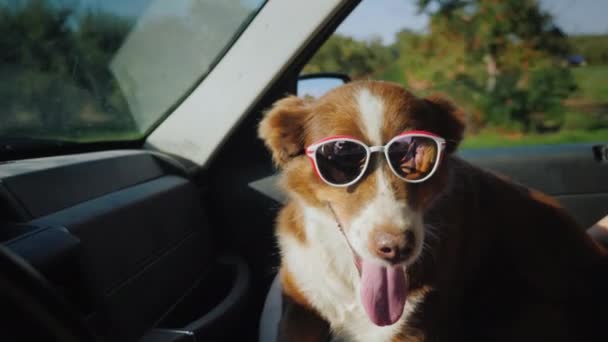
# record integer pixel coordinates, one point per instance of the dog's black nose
(394, 248)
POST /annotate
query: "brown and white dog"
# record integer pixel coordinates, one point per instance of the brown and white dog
(463, 255)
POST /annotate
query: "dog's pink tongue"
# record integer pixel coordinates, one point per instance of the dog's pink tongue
(383, 292)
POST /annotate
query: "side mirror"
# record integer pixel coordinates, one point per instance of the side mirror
(317, 84)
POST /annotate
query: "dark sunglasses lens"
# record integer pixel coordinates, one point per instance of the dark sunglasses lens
(413, 158)
(341, 162)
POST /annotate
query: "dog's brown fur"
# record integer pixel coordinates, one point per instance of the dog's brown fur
(508, 263)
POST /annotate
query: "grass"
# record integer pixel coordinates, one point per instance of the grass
(490, 138)
(592, 81)
(392, 73)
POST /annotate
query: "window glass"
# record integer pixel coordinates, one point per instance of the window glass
(526, 71)
(88, 70)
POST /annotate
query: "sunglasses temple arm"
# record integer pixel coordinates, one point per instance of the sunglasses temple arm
(310, 151)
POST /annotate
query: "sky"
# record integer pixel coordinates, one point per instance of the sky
(383, 18)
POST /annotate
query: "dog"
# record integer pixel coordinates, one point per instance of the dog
(388, 236)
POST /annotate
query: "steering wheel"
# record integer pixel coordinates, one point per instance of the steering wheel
(30, 309)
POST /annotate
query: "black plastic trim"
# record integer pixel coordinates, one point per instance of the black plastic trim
(36, 187)
(565, 169)
(236, 295)
(344, 77)
(59, 245)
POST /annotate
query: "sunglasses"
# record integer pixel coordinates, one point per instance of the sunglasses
(341, 161)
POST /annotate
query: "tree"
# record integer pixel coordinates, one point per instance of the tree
(594, 48)
(358, 59)
(54, 67)
(499, 50)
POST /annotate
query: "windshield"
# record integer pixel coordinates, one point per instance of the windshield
(93, 71)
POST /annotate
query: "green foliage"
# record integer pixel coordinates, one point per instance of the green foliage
(504, 53)
(502, 61)
(493, 26)
(55, 76)
(593, 47)
(588, 107)
(536, 105)
(593, 82)
(392, 73)
(355, 58)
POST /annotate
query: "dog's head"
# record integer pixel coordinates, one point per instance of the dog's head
(381, 212)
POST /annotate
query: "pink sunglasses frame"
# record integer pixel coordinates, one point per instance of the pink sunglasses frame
(312, 155)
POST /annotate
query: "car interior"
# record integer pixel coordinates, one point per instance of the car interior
(117, 242)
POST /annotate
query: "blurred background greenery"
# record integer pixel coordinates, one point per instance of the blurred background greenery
(519, 77)
(105, 70)
(55, 81)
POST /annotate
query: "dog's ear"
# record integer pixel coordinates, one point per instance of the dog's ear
(282, 128)
(449, 120)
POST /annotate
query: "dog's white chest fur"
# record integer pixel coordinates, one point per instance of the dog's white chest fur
(325, 272)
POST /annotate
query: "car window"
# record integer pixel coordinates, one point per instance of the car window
(91, 71)
(526, 72)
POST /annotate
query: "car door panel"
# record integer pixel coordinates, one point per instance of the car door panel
(554, 169)
(125, 237)
(587, 209)
(571, 173)
(136, 221)
(46, 185)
